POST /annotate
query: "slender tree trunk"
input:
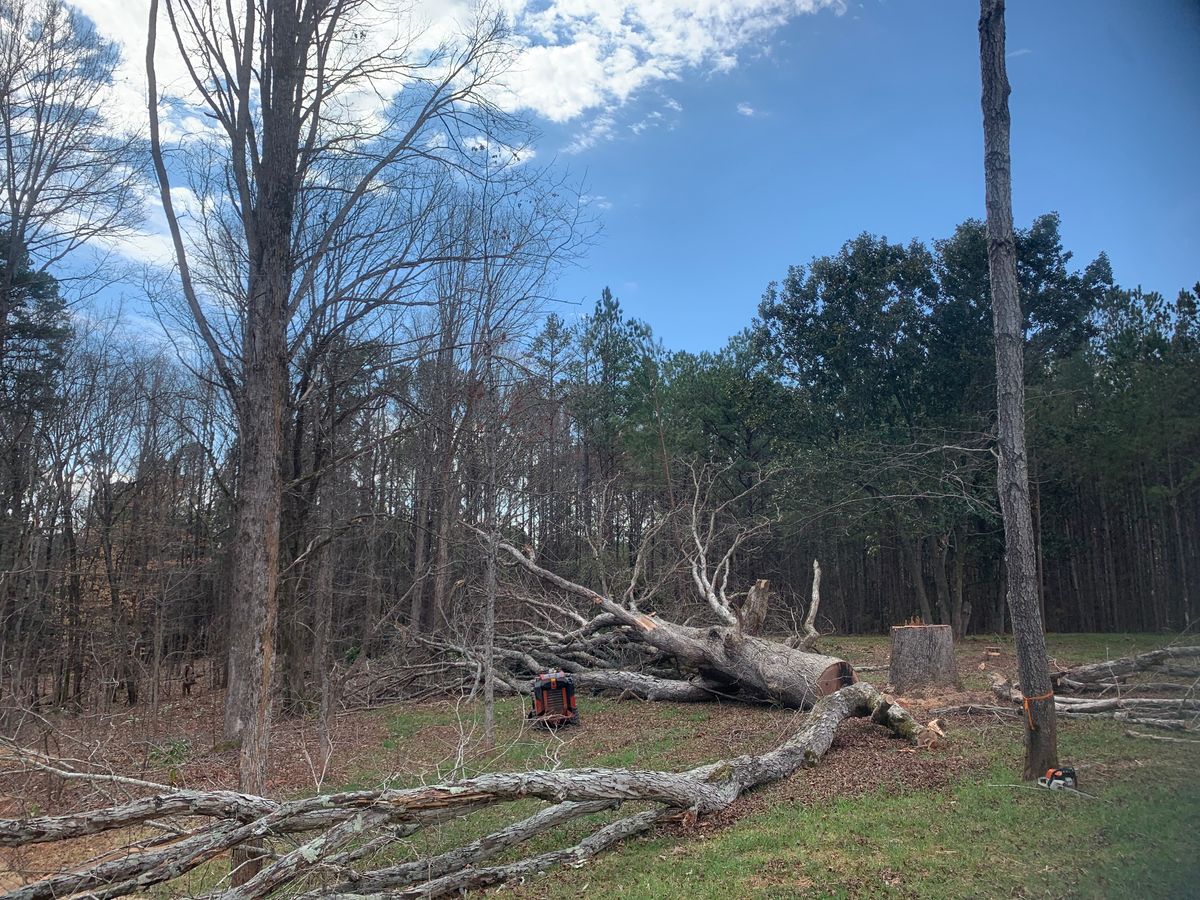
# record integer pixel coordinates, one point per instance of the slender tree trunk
(417, 617)
(1180, 545)
(941, 578)
(323, 596)
(1041, 743)
(491, 526)
(913, 552)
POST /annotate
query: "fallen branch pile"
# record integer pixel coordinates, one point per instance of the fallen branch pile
(620, 648)
(1113, 675)
(317, 844)
(1128, 702)
(674, 662)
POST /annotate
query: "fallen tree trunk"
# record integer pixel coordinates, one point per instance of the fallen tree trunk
(647, 687)
(1126, 665)
(725, 654)
(1172, 713)
(380, 817)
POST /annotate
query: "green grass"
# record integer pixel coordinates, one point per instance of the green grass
(985, 837)
(982, 835)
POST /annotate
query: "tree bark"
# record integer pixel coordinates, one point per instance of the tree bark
(1041, 742)
(922, 656)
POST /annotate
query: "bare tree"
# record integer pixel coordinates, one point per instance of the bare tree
(67, 181)
(305, 165)
(1041, 742)
(69, 176)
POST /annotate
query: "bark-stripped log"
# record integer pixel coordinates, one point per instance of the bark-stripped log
(358, 815)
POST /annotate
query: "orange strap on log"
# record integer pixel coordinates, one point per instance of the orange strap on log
(1049, 695)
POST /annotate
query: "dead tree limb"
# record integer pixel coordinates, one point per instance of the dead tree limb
(762, 668)
(1126, 665)
(379, 817)
(1172, 713)
(808, 638)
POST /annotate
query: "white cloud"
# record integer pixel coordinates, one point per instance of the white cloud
(745, 109)
(581, 55)
(574, 61)
(650, 120)
(597, 200)
(575, 57)
(601, 128)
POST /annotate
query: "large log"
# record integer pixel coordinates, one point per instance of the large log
(922, 656)
(723, 654)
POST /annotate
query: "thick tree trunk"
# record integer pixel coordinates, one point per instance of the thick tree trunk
(254, 598)
(254, 578)
(255, 601)
(722, 654)
(1041, 744)
(922, 656)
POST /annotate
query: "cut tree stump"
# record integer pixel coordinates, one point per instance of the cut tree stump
(922, 656)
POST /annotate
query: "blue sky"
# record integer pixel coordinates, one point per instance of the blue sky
(723, 140)
(870, 121)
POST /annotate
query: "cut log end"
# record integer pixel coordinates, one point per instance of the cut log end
(836, 677)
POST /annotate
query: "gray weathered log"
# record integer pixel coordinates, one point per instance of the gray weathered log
(242, 820)
(1126, 665)
(646, 687)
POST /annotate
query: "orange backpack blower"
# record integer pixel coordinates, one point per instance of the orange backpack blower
(554, 700)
